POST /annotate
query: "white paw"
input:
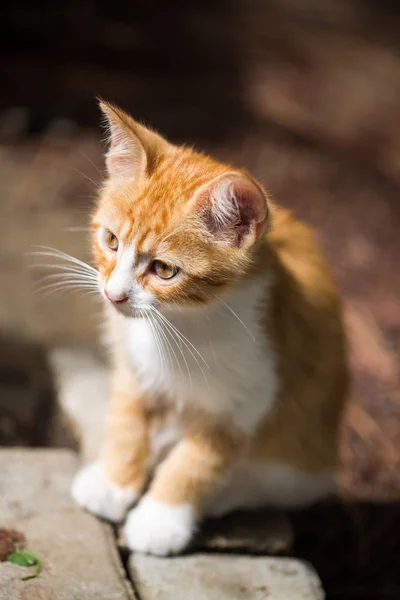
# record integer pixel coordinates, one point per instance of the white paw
(157, 528)
(92, 490)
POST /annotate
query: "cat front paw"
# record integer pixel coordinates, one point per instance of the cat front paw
(161, 529)
(92, 490)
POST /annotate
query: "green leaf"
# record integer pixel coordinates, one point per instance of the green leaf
(30, 558)
(22, 559)
(34, 574)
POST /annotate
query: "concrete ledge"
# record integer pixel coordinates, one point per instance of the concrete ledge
(224, 577)
(81, 562)
(77, 551)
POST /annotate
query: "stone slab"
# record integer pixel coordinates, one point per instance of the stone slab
(78, 553)
(223, 577)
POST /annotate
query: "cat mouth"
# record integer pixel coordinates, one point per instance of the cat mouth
(127, 310)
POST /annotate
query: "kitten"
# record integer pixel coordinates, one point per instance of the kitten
(228, 352)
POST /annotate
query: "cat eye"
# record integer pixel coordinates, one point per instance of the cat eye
(164, 270)
(110, 240)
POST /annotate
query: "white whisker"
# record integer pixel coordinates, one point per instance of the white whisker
(171, 234)
(75, 229)
(73, 288)
(92, 163)
(171, 349)
(239, 319)
(48, 251)
(185, 342)
(180, 334)
(160, 335)
(69, 275)
(95, 183)
(66, 285)
(178, 344)
(156, 339)
(72, 274)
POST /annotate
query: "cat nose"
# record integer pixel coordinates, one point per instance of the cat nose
(116, 297)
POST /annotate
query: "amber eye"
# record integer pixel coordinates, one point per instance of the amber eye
(111, 239)
(163, 270)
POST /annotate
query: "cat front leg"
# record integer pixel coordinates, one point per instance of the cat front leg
(166, 518)
(110, 486)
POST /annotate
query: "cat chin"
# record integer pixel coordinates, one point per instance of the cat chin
(127, 311)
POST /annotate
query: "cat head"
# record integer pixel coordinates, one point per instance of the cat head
(172, 227)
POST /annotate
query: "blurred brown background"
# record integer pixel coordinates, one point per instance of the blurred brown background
(304, 93)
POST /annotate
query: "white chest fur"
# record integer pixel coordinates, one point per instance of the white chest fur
(216, 357)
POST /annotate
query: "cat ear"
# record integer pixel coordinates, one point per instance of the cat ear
(133, 149)
(234, 209)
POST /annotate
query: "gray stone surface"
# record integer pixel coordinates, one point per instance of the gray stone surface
(224, 577)
(77, 552)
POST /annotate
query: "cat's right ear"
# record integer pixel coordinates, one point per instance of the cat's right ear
(133, 149)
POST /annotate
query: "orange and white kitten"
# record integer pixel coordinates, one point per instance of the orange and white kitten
(228, 352)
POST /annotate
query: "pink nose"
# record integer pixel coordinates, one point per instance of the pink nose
(116, 296)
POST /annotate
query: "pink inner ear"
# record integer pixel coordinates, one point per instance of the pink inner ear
(117, 138)
(252, 205)
(237, 207)
(126, 156)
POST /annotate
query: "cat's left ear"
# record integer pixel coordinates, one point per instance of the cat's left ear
(233, 208)
(133, 148)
